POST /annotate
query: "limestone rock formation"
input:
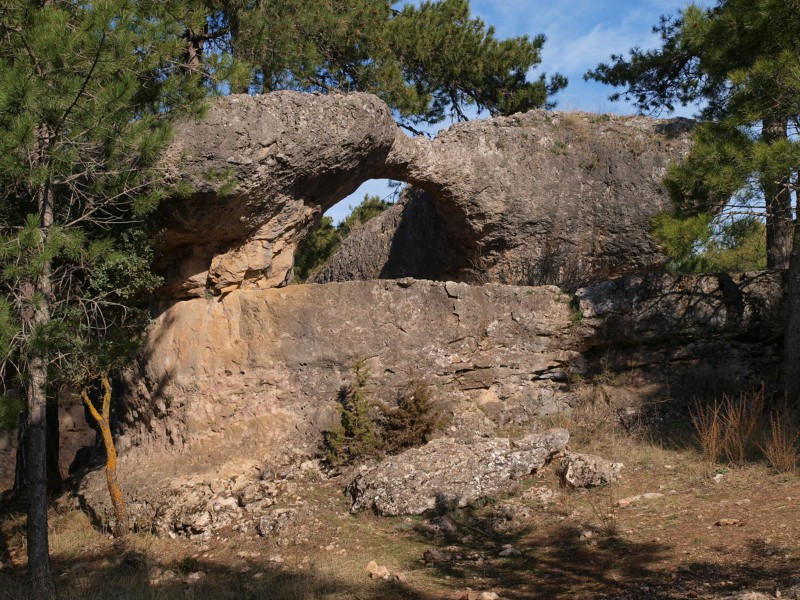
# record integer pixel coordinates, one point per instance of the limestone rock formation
(411, 239)
(447, 474)
(213, 365)
(256, 373)
(502, 192)
(586, 470)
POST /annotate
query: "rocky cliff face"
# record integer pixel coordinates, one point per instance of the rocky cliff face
(500, 191)
(216, 365)
(246, 382)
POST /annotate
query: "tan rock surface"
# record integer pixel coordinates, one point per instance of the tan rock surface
(503, 190)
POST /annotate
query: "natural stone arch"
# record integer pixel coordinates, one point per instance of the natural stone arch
(265, 168)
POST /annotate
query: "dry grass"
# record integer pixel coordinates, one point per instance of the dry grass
(742, 423)
(708, 422)
(780, 445)
(605, 509)
(740, 428)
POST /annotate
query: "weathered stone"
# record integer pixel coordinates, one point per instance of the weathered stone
(445, 473)
(256, 373)
(274, 523)
(410, 239)
(377, 571)
(585, 470)
(643, 308)
(435, 555)
(276, 359)
(499, 193)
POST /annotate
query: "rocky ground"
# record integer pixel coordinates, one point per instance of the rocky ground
(672, 527)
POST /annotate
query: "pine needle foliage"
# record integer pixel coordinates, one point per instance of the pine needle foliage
(88, 95)
(413, 421)
(426, 60)
(356, 436)
(701, 243)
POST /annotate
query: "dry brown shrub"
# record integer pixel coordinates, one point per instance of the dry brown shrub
(738, 428)
(780, 445)
(709, 429)
(742, 421)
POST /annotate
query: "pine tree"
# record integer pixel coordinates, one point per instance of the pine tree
(741, 58)
(737, 59)
(88, 92)
(426, 62)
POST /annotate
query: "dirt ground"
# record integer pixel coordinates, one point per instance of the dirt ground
(695, 531)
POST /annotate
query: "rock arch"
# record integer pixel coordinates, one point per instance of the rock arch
(263, 169)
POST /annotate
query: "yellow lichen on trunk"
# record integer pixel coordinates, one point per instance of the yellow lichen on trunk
(102, 419)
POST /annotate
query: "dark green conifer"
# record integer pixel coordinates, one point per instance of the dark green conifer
(88, 93)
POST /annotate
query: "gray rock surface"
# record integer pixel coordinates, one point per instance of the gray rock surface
(586, 470)
(504, 190)
(446, 473)
(411, 239)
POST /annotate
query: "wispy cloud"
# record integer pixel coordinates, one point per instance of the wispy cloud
(580, 35)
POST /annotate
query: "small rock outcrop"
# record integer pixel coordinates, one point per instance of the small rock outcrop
(447, 474)
(586, 470)
(502, 192)
(411, 239)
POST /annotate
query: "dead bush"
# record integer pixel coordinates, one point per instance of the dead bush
(415, 419)
(742, 424)
(739, 428)
(780, 444)
(708, 423)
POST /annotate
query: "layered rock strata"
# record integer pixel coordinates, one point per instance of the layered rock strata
(229, 386)
(211, 363)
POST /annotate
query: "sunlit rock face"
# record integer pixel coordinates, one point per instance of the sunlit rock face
(498, 193)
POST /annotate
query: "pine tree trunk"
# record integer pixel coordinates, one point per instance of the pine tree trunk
(778, 197)
(791, 340)
(21, 468)
(38, 315)
(39, 570)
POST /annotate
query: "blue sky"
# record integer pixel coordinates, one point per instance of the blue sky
(580, 34)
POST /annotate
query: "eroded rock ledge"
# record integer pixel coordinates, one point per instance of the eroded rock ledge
(503, 190)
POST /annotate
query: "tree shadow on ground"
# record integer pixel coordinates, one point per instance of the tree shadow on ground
(562, 561)
(135, 576)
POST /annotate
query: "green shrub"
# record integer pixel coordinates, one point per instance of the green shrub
(356, 436)
(366, 431)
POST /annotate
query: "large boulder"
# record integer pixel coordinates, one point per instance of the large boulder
(445, 474)
(586, 470)
(500, 193)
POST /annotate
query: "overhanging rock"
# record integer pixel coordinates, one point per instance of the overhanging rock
(504, 191)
